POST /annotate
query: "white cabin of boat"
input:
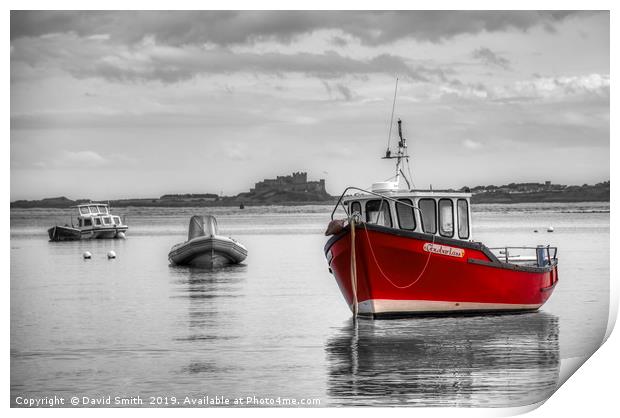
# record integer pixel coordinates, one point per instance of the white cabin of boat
(96, 215)
(442, 213)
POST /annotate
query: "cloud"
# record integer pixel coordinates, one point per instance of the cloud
(471, 144)
(239, 27)
(560, 88)
(173, 66)
(149, 60)
(346, 92)
(75, 159)
(99, 37)
(88, 159)
(328, 88)
(488, 57)
(339, 41)
(236, 151)
(557, 87)
(463, 90)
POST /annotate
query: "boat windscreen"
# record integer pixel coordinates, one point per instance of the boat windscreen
(446, 218)
(200, 226)
(462, 209)
(378, 212)
(428, 209)
(405, 214)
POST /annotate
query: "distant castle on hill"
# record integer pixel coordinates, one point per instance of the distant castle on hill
(297, 182)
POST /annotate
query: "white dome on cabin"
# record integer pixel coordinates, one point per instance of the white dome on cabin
(385, 186)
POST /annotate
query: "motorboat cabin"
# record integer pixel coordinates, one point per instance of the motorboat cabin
(445, 214)
(97, 215)
(94, 221)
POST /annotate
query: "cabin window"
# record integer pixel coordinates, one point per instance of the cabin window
(405, 214)
(97, 221)
(378, 212)
(117, 220)
(102, 209)
(107, 220)
(428, 207)
(84, 210)
(79, 222)
(93, 209)
(462, 214)
(88, 222)
(446, 218)
(356, 207)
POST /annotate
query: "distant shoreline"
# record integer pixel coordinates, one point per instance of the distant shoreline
(506, 194)
(482, 198)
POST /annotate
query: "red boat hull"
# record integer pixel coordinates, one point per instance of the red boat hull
(401, 272)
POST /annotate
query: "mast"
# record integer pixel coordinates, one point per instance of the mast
(399, 156)
(402, 147)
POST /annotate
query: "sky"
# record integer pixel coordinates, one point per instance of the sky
(109, 105)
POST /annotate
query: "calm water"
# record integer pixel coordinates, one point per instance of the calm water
(277, 326)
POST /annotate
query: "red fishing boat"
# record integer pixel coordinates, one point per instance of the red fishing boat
(405, 251)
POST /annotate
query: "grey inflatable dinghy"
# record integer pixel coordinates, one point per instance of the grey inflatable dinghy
(205, 248)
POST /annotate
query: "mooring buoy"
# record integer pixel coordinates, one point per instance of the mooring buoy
(111, 255)
(87, 255)
(550, 229)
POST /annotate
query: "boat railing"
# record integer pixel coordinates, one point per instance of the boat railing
(541, 255)
(371, 193)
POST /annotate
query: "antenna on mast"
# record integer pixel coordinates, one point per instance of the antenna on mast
(387, 151)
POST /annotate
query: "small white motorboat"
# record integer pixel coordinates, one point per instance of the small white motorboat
(205, 248)
(94, 222)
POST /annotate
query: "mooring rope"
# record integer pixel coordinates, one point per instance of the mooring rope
(428, 259)
(353, 266)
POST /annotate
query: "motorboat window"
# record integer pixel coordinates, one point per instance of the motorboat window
(446, 218)
(378, 212)
(94, 210)
(79, 222)
(97, 221)
(107, 220)
(405, 214)
(428, 208)
(462, 214)
(117, 220)
(88, 222)
(102, 209)
(356, 207)
(84, 210)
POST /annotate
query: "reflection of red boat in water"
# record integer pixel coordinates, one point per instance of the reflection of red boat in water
(482, 361)
(409, 251)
